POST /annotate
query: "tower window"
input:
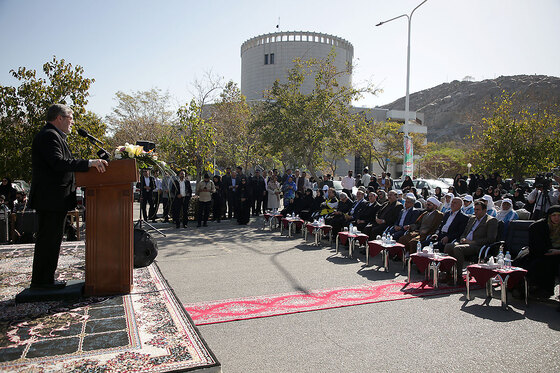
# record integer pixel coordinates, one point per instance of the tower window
(266, 59)
(272, 58)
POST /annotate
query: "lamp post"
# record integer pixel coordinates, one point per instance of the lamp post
(407, 97)
(469, 165)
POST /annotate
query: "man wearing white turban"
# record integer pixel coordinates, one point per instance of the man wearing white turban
(426, 225)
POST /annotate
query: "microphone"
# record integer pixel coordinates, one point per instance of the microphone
(82, 132)
(102, 153)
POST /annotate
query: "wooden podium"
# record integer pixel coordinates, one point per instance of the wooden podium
(110, 230)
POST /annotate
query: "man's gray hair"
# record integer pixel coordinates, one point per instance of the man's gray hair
(57, 109)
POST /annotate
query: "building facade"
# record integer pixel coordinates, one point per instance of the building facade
(267, 58)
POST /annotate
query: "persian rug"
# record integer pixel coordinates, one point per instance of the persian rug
(274, 305)
(147, 330)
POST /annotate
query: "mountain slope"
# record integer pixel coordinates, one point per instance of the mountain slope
(450, 109)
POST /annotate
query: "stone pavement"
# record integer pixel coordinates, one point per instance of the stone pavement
(443, 333)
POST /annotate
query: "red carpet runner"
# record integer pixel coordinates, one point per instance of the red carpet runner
(282, 304)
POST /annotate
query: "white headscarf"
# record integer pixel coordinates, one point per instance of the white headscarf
(489, 202)
(447, 205)
(503, 213)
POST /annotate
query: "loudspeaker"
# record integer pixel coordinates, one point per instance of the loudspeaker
(145, 248)
(147, 145)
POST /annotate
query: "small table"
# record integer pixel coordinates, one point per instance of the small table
(508, 278)
(271, 219)
(318, 231)
(351, 238)
(433, 263)
(377, 246)
(289, 223)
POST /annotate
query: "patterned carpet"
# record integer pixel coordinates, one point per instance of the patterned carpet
(273, 305)
(147, 330)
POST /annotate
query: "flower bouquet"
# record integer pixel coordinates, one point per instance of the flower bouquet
(143, 159)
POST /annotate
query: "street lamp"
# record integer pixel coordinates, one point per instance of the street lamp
(407, 97)
(469, 165)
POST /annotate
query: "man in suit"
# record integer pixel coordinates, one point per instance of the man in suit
(226, 180)
(258, 188)
(182, 192)
(481, 229)
(452, 226)
(53, 191)
(424, 226)
(367, 214)
(147, 186)
(386, 216)
(407, 216)
(232, 183)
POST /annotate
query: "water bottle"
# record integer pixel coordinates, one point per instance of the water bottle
(507, 260)
(431, 249)
(351, 228)
(501, 258)
(418, 247)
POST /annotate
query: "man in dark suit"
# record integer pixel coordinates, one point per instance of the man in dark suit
(53, 191)
(481, 229)
(226, 180)
(368, 213)
(407, 216)
(386, 216)
(452, 226)
(232, 184)
(258, 188)
(182, 192)
(147, 186)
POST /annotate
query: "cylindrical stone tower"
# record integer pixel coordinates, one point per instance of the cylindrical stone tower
(266, 58)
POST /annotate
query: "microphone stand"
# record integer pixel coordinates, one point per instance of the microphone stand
(102, 153)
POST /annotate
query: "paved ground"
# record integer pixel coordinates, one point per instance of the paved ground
(445, 333)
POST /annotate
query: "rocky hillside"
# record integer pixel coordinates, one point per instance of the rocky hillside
(450, 109)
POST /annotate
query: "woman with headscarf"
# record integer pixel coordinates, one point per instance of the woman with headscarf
(307, 205)
(446, 205)
(506, 214)
(317, 203)
(273, 191)
(289, 189)
(519, 196)
(452, 190)
(438, 194)
(217, 198)
(496, 195)
(244, 195)
(381, 196)
(478, 194)
(490, 209)
(468, 205)
(543, 261)
(407, 183)
(425, 193)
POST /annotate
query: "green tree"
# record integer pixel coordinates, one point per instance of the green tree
(142, 115)
(23, 110)
(379, 141)
(190, 142)
(305, 128)
(443, 160)
(516, 143)
(237, 142)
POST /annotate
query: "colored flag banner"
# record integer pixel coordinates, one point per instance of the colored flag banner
(408, 165)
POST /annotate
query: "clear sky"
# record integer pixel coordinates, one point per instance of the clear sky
(138, 44)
